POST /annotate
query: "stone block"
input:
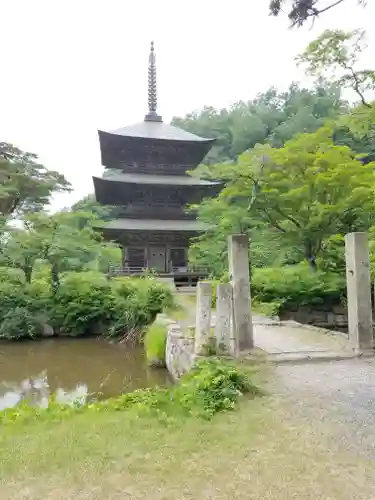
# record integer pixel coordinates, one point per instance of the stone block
(203, 316)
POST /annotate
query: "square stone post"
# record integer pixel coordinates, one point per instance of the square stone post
(224, 333)
(239, 263)
(358, 284)
(203, 316)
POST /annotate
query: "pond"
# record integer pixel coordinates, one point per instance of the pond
(72, 369)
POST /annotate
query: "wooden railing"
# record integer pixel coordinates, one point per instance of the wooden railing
(131, 270)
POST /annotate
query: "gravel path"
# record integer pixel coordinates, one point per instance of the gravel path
(339, 395)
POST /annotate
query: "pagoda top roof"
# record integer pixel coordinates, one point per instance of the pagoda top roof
(157, 130)
(154, 225)
(173, 180)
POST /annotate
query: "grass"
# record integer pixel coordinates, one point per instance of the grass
(155, 341)
(246, 454)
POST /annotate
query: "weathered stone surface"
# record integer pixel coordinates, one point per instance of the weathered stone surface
(359, 291)
(203, 316)
(48, 330)
(179, 353)
(224, 332)
(323, 316)
(238, 258)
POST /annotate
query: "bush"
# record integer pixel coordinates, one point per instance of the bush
(82, 302)
(137, 302)
(13, 296)
(213, 386)
(11, 275)
(20, 323)
(297, 285)
(155, 342)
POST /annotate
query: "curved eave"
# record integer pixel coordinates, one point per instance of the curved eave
(118, 227)
(105, 136)
(116, 192)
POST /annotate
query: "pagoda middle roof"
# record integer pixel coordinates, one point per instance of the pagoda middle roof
(173, 180)
(157, 130)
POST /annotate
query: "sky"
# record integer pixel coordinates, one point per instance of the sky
(71, 67)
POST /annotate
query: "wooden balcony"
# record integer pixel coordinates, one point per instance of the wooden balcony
(184, 275)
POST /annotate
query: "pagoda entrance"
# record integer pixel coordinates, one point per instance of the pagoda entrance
(157, 258)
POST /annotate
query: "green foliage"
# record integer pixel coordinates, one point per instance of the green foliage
(300, 11)
(85, 303)
(20, 310)
(82, 302)
(88, 204)
(25, 184)
(307, 191)
(20, 323)
(155, 341)
(138, 301)
(297, 285)
(212, 386)
(272, 117)
(336, 54)
(11, 275)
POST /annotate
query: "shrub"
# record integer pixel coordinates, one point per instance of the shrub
(297, 285)
(82, 302)
(155, 342)
(20, 323)
(13, 296)
(11, 275)
(137, 302)
(213, 386)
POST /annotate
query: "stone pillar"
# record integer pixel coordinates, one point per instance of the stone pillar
(239, 263)
(224, 334)
(358, 286)
(203, 316)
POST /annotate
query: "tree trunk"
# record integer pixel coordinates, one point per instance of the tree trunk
(55, 282)
(28, 272)
(311, 258)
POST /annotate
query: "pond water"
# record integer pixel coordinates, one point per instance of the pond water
(72, 369)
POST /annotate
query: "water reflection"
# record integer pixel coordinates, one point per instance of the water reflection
(36, 391)
(73, 369)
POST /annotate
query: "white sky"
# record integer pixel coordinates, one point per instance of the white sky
(69, 67)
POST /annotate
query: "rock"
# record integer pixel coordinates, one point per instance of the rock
(156, 363)
(47, 330)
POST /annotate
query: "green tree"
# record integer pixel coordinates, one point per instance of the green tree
(299, 11)
(25, 184)
(308, 190)
(335, 53)
(59, 241)
(20, 250)
(88, 204)
(272, 117)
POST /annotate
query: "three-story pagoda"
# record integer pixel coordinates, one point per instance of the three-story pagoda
(146, 180)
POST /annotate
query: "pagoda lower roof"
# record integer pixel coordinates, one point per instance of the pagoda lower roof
(172, 180)
(153, 225)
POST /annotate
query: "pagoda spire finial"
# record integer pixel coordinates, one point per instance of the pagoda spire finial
(152, 115)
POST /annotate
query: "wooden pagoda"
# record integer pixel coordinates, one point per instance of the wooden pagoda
(146, 180)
